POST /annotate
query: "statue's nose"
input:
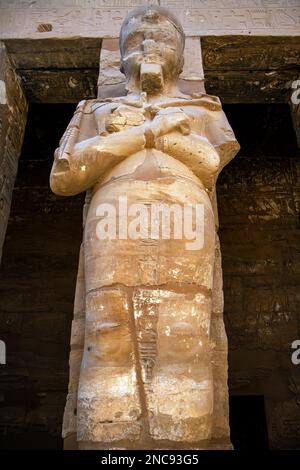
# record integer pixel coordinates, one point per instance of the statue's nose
(148, 45)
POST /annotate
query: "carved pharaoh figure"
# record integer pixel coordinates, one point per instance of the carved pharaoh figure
(148, 378)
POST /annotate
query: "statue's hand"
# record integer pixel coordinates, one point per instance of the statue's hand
(61, 160)
(181, 122)
(169, 122)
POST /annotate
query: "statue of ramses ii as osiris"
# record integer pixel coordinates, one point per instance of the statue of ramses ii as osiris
(147, 378)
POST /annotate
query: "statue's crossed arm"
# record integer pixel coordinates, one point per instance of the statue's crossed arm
(79, 165)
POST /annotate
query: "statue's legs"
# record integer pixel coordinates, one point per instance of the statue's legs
(146, 378)
(108, 399)
(174, 354)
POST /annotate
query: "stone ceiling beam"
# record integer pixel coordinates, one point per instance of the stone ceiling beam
(238, 69)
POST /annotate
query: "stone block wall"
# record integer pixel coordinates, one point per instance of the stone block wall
(258, 197)
(37, 284)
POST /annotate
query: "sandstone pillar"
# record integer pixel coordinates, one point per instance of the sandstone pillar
(13, 115)
(295, 113)
(120, 399)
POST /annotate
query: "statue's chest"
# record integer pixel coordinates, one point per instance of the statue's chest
(115, 117)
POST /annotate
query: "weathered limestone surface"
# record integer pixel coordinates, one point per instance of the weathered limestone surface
(154, 352)
(13, 114)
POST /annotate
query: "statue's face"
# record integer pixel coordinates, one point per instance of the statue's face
(148, 42)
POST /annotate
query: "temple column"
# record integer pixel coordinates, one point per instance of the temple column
(295, 113)
(13, 116)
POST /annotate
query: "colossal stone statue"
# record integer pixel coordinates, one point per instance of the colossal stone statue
(148, 376)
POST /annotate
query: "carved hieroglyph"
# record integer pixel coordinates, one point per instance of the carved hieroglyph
(154, 354)
(94, 18)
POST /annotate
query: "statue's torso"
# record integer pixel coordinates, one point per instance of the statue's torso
(120, 115)
(149, 176)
